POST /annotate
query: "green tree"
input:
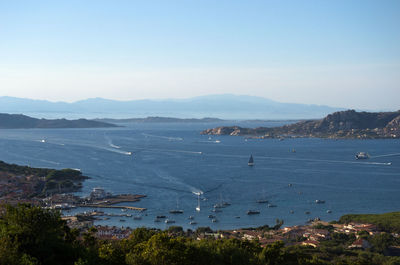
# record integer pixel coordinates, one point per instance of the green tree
(381, 242)
(36, 235)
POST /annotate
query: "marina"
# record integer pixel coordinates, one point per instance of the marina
(170, 168)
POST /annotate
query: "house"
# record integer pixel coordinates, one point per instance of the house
(251, 235)
(311, 243)
(360, 244)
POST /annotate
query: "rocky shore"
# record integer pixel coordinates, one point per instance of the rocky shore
(344, 124)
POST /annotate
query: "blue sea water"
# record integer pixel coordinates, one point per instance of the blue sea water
(172, 162)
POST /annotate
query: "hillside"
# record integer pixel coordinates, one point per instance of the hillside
(25, 183)
(342, 124)
(19, 121)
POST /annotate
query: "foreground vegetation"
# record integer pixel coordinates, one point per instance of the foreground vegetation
(32, 235)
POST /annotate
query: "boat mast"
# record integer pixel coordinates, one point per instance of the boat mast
(198, 202)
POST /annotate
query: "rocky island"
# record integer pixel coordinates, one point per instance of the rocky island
(343, 124)
(19, 121)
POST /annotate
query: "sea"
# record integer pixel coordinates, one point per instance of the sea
(178, 168)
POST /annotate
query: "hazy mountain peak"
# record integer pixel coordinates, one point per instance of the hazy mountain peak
(225, 106)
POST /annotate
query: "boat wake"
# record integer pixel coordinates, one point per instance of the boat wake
(30, 158)
(163, 137)
(396, 154)
(173, 150)
(210, 141)
(308, 159)
(327, 161)
(110, 142)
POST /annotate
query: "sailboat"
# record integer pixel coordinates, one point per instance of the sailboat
(263, 199)
(198, 202)
(251, 161)
(177, 209)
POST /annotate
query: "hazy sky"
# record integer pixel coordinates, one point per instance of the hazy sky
(339, 53)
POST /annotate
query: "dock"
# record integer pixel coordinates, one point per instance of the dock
(113, 207)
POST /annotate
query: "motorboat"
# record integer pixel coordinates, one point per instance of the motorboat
(362, 155)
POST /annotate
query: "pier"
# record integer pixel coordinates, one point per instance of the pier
(113, 207)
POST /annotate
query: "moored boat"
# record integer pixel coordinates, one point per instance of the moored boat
(176, 211)
(250, 212)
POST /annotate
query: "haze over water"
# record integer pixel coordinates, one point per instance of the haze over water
(171, 162)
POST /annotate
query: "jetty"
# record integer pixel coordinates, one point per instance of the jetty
(100, 199)
(113, 206)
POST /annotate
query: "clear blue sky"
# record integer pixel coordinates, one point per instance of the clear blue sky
(340, 53)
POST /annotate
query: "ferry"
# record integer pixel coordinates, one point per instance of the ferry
(362, 155)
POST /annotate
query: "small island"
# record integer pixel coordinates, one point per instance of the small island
(19, 121)
(343, 124)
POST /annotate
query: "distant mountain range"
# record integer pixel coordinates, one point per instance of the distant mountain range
(343, 124)
(221, 106)
(18, 121)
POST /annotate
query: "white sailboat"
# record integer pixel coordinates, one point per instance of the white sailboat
(198, 200)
